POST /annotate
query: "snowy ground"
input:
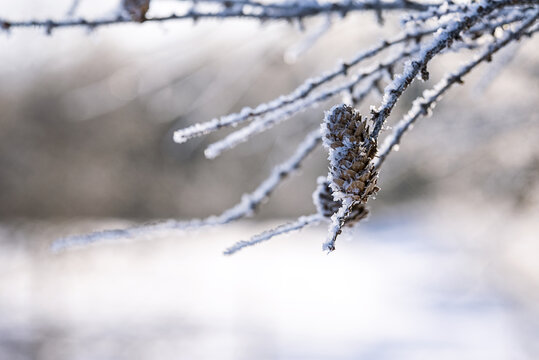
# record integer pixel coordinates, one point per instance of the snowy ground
(394, 289)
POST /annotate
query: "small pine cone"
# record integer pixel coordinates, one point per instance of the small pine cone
(327, 206)
(323, 199)
(136, 9)
(357, 213)
(351, 150)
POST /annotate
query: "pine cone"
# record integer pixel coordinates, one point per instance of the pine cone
(352, 176)
(136, 9)
(327, 206)
(351, 150)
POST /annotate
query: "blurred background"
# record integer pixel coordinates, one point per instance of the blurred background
(445, 267)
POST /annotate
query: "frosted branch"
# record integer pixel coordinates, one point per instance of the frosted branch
(294, 52)
(246, 207)
(435, 12)
(303, 92)
(442, 39)
(286, 113)
(247, 10)
(422, 105)
(299, 93)
(448, 8)
(299, 224)
(73, 8)
(337, 222)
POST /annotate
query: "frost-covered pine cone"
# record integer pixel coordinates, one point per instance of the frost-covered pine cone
(352, 175)
(136, 9)
(327, 206)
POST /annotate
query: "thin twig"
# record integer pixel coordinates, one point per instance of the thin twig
(73, 8)
(300, 223)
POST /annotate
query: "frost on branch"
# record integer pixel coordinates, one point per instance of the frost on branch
(280, 230)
